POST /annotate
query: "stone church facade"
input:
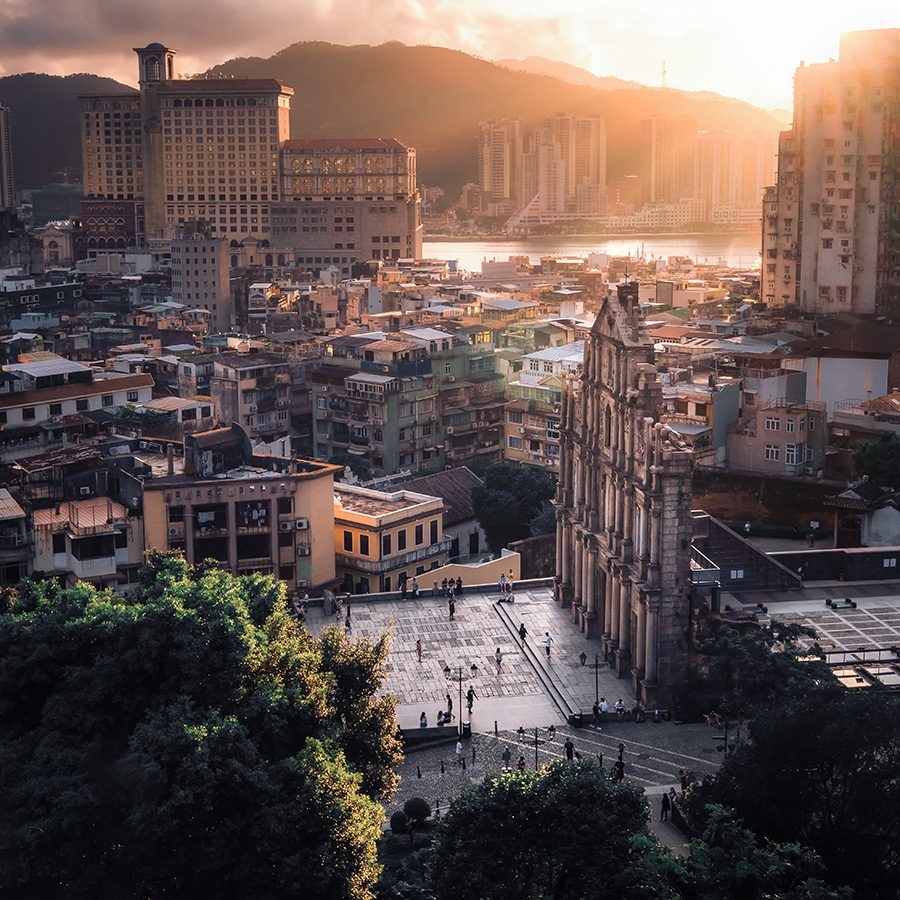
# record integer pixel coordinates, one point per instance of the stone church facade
(623, 540)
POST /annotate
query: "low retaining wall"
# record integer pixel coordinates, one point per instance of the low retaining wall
(858, 564)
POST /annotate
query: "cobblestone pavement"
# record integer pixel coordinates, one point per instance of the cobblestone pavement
(513, 696)
(653, 755)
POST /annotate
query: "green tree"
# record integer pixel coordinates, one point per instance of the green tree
(544, 522)
(358, 465)
(561, 832)
(508, 500)
(191, 740)
(823, 769)
(880, 460)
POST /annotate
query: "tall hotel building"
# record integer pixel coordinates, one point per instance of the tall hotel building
(500, 162)
(831, 241)
(181, 150)
(7, 189)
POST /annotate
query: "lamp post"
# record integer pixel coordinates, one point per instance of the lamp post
(456, 674)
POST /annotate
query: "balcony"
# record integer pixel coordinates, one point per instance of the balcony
(394, 560)
(99, 567)
(703, 569)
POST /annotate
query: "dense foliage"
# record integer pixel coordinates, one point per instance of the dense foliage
(510, 498)
(822, 768)
(880, 460)
(191, 740)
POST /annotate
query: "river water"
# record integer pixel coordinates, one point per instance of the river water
(736, 248)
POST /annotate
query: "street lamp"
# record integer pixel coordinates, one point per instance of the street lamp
(456, 674)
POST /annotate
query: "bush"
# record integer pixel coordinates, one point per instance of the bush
(398, 822)
(417, 810)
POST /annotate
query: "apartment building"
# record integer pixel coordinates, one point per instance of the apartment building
(383, 539)
(200, 274)
(40, 399)
(16, 541)
(781, 438)
(531, 425)
(267, 514)
(7, 185)
(668, 152)
(839, 164)
(500, 164)
(253, 390)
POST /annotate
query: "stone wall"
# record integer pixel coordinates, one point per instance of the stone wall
(538, 555)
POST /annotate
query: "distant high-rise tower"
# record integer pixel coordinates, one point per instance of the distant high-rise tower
(830, 237)
(667, 159)
(7, 188)
(500, 160)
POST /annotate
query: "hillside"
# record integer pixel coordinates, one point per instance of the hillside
(44, 120)
(434, 98)
(540, 65)
(430, 97)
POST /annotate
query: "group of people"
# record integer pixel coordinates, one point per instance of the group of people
(506, 583)
(601, 707)
(507, 756)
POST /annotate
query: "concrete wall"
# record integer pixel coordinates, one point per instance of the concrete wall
(831, 379)
(476, 573)
(844, 565)
(881, 528)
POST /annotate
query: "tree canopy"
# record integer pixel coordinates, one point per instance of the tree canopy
(189, 740)
(510, 498)
(822, 768)
(880, 460)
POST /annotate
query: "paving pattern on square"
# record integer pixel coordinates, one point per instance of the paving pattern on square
(511, 697)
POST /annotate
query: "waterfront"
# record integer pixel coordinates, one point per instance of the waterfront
(736, 248)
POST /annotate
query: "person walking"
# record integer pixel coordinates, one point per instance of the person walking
(570, 749)
(523, 633)
(595, 711)
(415, 588)
(419, 649)
(471, 697)
(498, 658)
(452, 608)
(672, 798)
(506, 757)
(665, 806)
(547, 642)
(459, 752)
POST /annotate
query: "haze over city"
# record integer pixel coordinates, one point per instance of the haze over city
(748, 51)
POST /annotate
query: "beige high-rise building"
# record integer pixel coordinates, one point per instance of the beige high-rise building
(500, 160)
(836, 203)
(181, 150)
(667, 159)
(7, 186)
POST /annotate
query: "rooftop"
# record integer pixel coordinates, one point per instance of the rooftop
(377, 503)
(454, 487)
(347, 144)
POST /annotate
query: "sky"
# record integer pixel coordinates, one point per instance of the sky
(747, 50)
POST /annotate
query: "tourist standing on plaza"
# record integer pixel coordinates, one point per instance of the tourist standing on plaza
(415, 588)
(423, 721)
(570, 749)
(458, 585)
(498, 658)
(403, 589)
(501, 583)
(548, 643)
(507, 756)
(419, 649)
(664, 808)
(459, 752)
(452, 607)
(471, 697)
(449, 706)
(523, 633)
(595, 710)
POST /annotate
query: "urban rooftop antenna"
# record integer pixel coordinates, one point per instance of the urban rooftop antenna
(664, 74)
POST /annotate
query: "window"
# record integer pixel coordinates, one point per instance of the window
(286, 573)
(285, 505)
(364, 545)
(789, 425)
(320, 403)
(773, 453)
(515, 443)
(419, 535)
(401, 539)
(59, 542)
(790, 455)
(386, 545)
(285, 539)
(812, 423)
(737, 574)
(434, 531)
(132, 396)
(772, 423)
(890, 562)
(176, 514)
(107, 400)
(348, 541)
(56, 409)
(27, 412)
(81, 405)
(514, 416)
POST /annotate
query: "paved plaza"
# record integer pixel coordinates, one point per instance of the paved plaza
(513, 696)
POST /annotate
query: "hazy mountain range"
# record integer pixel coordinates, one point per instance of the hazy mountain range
(429, 97)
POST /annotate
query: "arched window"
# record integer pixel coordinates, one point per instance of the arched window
(280, 259)
(269, 261)
(188, 102)
(233, 262)
(152, 69)
(607, 427)
(220, 102)
(176, 102)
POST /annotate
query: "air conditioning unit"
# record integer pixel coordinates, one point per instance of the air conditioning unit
(85, 491)
(303, 550)
(451, 378)
(284, 526)
(143, 445)
(174, 532)
(301, 524)
(808, 470)
(449, 429)
(521, 431)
